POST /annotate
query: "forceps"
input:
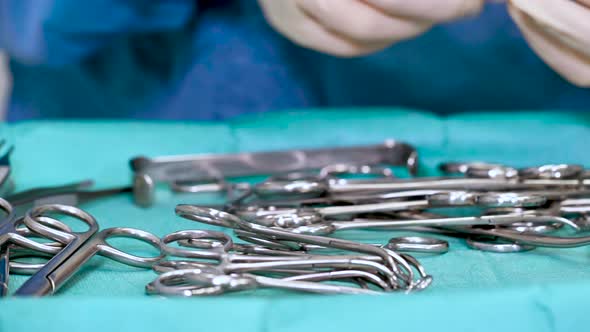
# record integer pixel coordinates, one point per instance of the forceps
(174, 169)
(330, 227)
(269, 246)
(219, 245)
(454, 183)
(389, 258)
(519, 240)
(79, 248)
(361, 277)
(210, 281)
(531, 239)
(290, 218)
(566, 208)
(316, 188)
(480, 178)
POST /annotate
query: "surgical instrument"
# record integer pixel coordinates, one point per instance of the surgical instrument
(233, 263)
(495, 171)
(330, 227)
(175, 169)
(217, 246)
(79, 248)
(389, 258)
(209, 281)
(405, 244)
(289, 218)
(10, 235)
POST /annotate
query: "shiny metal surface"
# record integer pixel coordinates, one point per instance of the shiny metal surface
(286, 228)
(79, 248)
(198, 168)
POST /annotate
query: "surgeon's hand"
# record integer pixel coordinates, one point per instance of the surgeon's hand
(559, 31)
(357, 27)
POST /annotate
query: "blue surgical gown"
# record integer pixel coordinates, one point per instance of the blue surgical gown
(209, 60)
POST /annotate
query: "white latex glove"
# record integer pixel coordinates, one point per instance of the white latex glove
(357, 27)
(559, 31)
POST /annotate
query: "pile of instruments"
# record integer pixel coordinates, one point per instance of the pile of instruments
(284, 231)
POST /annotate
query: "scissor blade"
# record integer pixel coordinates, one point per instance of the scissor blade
(43, 281)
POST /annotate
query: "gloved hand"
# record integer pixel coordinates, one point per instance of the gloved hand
(559, 31)
(356, 27)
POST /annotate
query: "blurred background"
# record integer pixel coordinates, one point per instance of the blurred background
(218, 59)
(4, 84)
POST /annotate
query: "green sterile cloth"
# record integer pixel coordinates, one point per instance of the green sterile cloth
(540, 290)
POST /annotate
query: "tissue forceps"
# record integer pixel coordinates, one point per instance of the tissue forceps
(79, 248)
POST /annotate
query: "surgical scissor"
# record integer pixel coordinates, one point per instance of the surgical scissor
(79, 248)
